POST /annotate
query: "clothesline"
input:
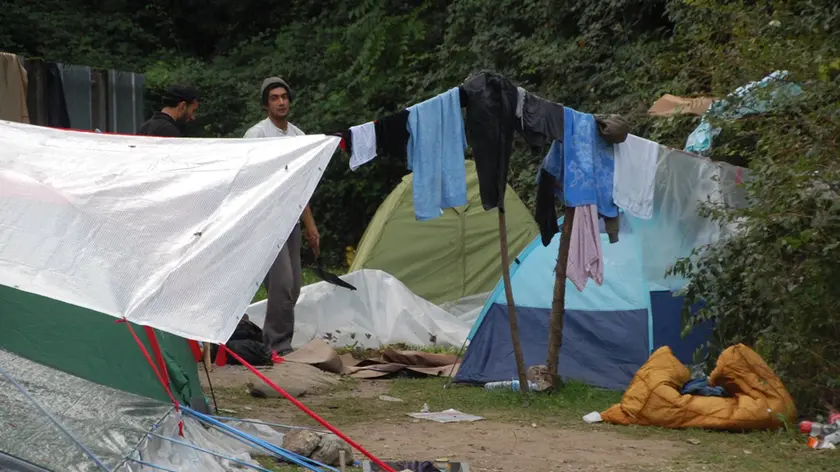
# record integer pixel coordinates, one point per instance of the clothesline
(592, 160)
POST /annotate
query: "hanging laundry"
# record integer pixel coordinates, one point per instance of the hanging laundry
(125, 91)
(520, 103)
(436, 155)
(612, 128)
(13, 89)
(611, 226)
(553, 165)
(545, 212)
(542, 122)
(363, 147)
(588, 164)
(585, 256)
(347, 139)
(635, 172)
(491, 119)
(77, 93)
(58, 117)
(392, 135)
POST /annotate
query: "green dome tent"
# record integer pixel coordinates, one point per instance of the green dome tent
(448, 258)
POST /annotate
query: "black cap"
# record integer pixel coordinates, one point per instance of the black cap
(180, 93)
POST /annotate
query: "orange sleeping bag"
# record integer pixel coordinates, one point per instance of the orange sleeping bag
(759, 401)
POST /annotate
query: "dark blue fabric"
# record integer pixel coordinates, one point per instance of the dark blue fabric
(667, 327)
(702, 388)
(600, 348)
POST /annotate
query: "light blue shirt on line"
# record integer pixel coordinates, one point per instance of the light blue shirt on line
(435, 151)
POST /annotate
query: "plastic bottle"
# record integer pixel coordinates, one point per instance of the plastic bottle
(822, 435)
(508, 384)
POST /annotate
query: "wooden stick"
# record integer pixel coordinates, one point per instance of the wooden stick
(514, 325)
(207, 363)
(342, 459)
(558, 303)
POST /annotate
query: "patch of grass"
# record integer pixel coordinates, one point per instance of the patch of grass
(368, 353)
(570, 404)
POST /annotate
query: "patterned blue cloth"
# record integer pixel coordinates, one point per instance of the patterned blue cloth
(436, 146)
(589, 164)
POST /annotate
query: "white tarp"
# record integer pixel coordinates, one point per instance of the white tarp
(382, 311)
(171, 233)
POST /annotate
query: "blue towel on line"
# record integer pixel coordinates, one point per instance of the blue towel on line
(435, 151)
(589, 164)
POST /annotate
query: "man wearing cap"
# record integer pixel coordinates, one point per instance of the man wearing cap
(180, 104)
(283, 281)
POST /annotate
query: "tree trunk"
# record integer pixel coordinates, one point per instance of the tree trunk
(558, 303)
(514, 325)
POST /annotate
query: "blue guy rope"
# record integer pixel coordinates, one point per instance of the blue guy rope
(55, 421)
(276, 425)
(207, 451)
(274, 450)
(277, 451)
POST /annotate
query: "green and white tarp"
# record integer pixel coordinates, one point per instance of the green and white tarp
(173, 234)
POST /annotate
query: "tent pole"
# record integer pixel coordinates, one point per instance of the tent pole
(558, 303)
(514, 325)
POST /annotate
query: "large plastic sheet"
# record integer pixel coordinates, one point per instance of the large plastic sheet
(684, 183)
(172, 233)
(382, 311)
(171, 455)
(109, 422)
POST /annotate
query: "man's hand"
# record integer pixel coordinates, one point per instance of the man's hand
(314, 239)
(312, 235)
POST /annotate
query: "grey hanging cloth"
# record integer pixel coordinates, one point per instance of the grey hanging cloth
(57, 116)
(76, 81)
(126, 101)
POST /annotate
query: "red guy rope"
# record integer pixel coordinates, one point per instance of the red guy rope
(157, 372)
(309, 412)
(150, 333)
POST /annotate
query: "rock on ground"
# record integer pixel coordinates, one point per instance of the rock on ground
(302, 442)
(328, 451)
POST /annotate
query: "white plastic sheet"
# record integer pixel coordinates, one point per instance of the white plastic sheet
(171, 233)
(382, 311)
(684, 182)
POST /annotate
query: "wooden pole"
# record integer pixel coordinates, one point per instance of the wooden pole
(514, 325)
(558, 303)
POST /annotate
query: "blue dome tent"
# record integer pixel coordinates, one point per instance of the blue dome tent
(611, 329)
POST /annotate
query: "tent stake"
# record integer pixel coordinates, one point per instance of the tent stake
(514, 325)
(558, 303)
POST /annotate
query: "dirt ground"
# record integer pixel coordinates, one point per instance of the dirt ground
(488, 445)
(546, 435)
(493, 446)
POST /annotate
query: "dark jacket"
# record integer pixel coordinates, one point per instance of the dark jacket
(161, 124)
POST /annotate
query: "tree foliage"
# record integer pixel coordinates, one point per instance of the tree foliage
(351, 62)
